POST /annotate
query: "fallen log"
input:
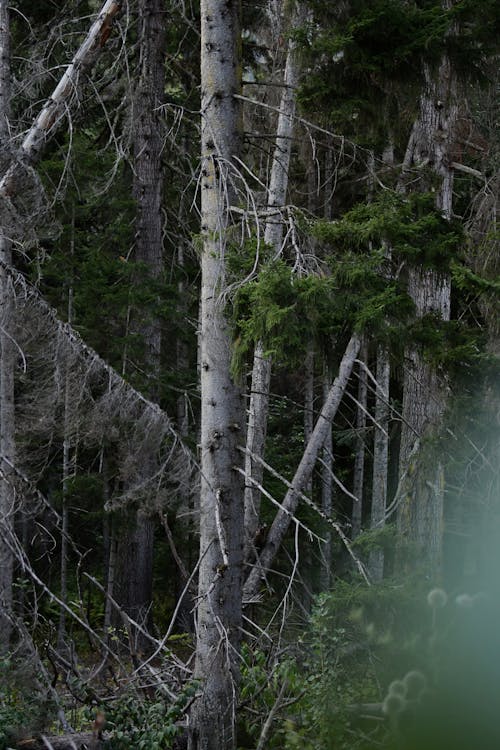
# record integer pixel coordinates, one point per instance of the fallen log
(76, 741)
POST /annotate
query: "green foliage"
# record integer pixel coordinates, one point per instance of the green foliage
(284, 310)
(410, 226)
(139, 723)
(24, 705)
(387, 666)
(360, 81)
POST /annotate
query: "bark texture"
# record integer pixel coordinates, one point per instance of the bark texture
(212, 720)
(135, 587)
(420, 516)
(380, 460)
(327, 491)
(359, 458)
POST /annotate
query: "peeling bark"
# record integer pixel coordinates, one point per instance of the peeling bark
(425, 390)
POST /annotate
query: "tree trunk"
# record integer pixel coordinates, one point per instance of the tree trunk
(359, 458)
(7, 361)
(136, 546)
(212, 720)
(57, 105)
(380, 460)
(302, 475)
(327, 491)
(273, 235)
(424, 399)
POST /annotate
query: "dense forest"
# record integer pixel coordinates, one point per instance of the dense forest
(249, 374)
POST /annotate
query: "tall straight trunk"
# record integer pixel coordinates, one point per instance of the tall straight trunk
(68, 470)
(136, 546)
(309, 399)
(327, 491)
(219, 616)
(359, 456)
(380, 459)
(273, 236)
(420, 515)
(304, 470)
(7, 360)
(327, 460)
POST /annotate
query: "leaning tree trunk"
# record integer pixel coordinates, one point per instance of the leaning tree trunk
(420, 515)
(7, 358)
(59, 103)
(273, 236)
(304, 470)
(219, 616)
(135, 547)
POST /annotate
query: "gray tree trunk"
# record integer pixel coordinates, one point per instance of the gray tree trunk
(273, 236)
(304, 470)
(359, 456)
(380, 459)
(135, 549)
(420, 514)
(327, 491)
(212, 719)
(58, 104)
(7, 359)
(68, 470)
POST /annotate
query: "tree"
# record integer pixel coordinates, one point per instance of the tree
(273, 237)
(222, 421)
(420, 516)
(136, 546)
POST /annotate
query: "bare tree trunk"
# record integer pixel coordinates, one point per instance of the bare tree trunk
(41, 131)
(7, 361)
(380, 459)
(420, 512)
(359, 458)
(68, 468)
(136, 546)
(327, 490)
(212, 719)
(273, 235)
(302, 475)
(57, 105)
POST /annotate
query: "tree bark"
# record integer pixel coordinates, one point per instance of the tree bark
(327, 491)
(57, 105)
(420, 515)
(380, 460)
(136, 546)
(304, 470)
(212, 720)
(359, 457)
